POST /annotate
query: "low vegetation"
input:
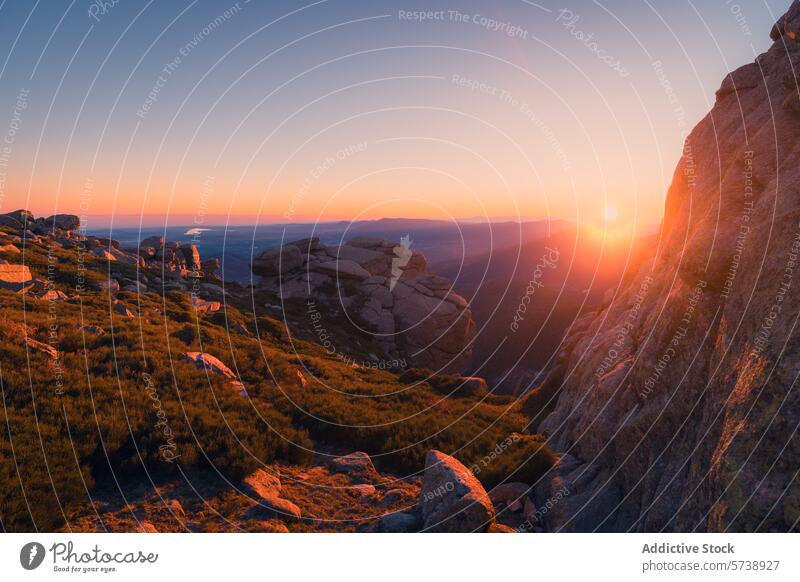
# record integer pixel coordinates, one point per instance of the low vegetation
(124, 404)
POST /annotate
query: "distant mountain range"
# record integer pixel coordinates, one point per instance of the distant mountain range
(490, 263)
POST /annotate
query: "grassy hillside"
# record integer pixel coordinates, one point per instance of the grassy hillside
(125, 406)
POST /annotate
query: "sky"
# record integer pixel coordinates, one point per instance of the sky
(199, 112)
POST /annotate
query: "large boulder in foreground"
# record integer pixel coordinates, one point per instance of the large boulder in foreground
(452, 499)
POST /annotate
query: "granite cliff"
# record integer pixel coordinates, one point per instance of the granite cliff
(676, 407)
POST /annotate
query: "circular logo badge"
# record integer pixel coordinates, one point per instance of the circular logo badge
(31, 555)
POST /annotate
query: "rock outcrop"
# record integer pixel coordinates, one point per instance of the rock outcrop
(383, 288)
(677, 406)
(15, 277)
(451, 498)
(171, 265)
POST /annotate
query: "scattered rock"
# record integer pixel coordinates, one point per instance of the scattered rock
(397, 522)
(355, 465)
(93, 329)
(110, 286)
(108, 243)
(15, 277)
(274, 506)
(363, 490)
(50, 295)
(501, 528)
(510, 495)
(203, 306)
(175, 261)
(123, 310)
(208, 362)
(263, 483)
(239, 388)
(240, 328)
(103, 254)
(41, 347)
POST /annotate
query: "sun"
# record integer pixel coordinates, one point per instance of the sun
(610, 214)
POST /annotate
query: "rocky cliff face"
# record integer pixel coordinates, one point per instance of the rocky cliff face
(677, 407)
(160, 265)
(383, 289)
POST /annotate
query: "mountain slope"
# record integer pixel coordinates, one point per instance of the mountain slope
(138, 393)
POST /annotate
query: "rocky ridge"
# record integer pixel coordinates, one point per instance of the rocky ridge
(162, 265)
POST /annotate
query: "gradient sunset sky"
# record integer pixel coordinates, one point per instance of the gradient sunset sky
(290, 111)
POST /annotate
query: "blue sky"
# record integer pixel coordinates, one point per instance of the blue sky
(225, 108)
